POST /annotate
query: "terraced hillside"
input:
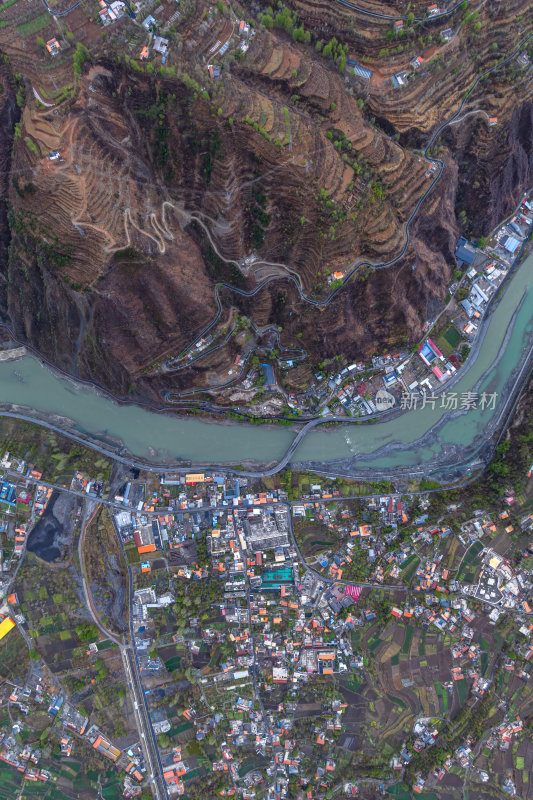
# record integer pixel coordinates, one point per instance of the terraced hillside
(283, 171)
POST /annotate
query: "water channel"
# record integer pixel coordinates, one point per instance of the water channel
(26, 385)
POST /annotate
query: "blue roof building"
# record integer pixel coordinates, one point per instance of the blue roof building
(510, 244)
(232, 491)
(465, 252)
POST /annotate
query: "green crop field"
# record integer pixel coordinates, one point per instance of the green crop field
(173, 663)
(319, 543)
(409, 630)
(353, 685)
(214, 658)
(250, 763)
(112, 791)
(105, 644)
(194, 773)
(462, 691)
(442, 694)
(10, 781)
(399, 791)
(452, 336)
(34, 25)
(484, 662)
(396, 700)
(185, 726)
(410, 567)
(469, 561)
(7, 4)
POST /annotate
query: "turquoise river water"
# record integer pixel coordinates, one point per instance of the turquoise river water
(162, 438)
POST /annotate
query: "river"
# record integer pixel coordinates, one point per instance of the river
(26, 385)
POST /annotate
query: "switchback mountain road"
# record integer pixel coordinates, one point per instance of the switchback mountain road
(353, 268)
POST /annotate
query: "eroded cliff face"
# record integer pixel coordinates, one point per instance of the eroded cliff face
(117, 248)
(165, 190)
(495, 167)
(8, 117)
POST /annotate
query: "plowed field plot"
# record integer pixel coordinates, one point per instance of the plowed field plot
(14, 657)
(411, 678)
(469, 563)
(88, 32)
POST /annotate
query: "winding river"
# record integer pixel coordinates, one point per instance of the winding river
(416, 438)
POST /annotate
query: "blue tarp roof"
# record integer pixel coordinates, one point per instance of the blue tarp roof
(268, 373)
(362, 72)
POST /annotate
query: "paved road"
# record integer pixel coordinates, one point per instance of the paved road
(206, 507)
(312, 423)
(329, 469)
(140, 703)
(354, 268)
(88, 515)
(131, 668)
(375, 14)
(301, 353)
(327, 581)
(145, 725)
(255, 667)
(60, 13)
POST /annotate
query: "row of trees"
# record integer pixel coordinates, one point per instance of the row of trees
(288, 21)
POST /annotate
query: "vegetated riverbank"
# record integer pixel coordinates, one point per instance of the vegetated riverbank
(163, 442)
(117, 451)
(209, 412)
(213, 414)
(113, 447)
(453, 462)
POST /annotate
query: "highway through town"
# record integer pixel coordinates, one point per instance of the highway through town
(129, 657)
(148, 739)
(142, 711)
